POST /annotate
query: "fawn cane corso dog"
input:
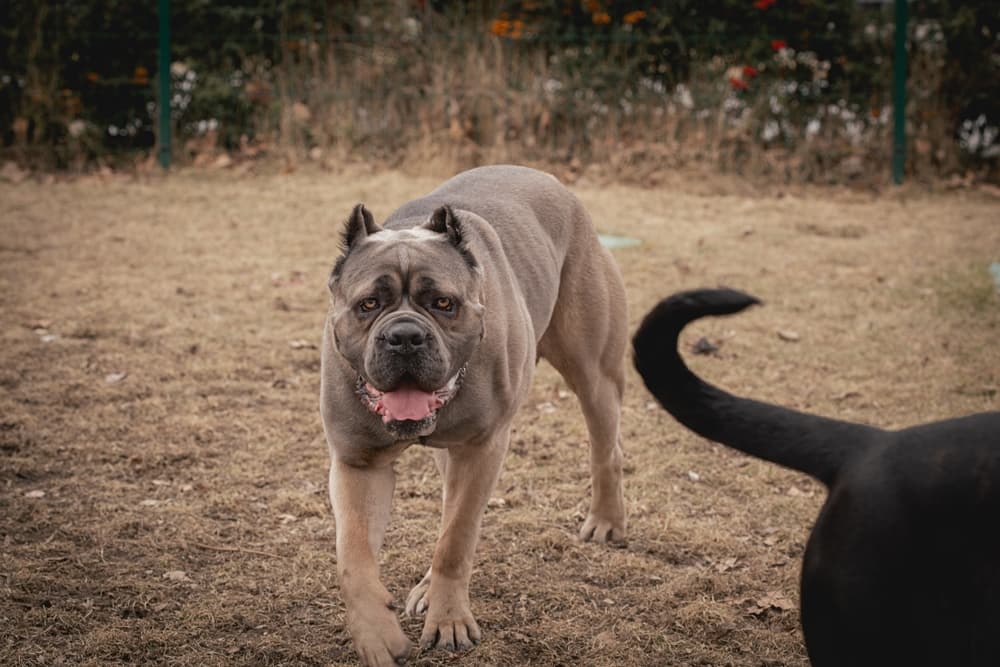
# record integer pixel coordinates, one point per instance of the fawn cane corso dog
(903, 565)
(437, 320)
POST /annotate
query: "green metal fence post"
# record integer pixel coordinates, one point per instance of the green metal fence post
(164, 80)
(899, 68)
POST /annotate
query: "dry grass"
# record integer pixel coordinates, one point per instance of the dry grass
(207, 458)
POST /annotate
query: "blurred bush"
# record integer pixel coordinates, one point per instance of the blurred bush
(794, 90)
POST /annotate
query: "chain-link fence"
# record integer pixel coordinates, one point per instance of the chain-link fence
(799, 90)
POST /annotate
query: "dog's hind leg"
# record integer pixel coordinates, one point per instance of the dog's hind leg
(585, 342)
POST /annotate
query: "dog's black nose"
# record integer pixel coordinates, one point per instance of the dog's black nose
(405, 338)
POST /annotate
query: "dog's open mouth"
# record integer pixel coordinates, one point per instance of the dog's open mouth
(408, 403)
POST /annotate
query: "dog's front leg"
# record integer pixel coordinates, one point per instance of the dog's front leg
(362, 499)
(470, 474)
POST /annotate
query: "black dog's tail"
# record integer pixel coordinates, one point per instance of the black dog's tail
(814, 445)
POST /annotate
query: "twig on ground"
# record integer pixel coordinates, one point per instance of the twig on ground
(211, 547)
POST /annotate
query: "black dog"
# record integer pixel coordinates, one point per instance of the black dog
(903, 564)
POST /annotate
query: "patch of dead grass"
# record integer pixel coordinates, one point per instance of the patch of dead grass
(207, 458)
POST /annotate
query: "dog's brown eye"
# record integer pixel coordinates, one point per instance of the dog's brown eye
(368, 305)
(444, 303)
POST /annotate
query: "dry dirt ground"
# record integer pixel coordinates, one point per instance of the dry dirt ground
(163, 474)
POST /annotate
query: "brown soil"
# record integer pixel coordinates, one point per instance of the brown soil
(163, 473)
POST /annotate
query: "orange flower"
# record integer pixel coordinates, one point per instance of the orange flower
(504, 28)
(737, 83)
(601, 18)
(93, 77)
(140, 76)
(500, 27)
(634, 17)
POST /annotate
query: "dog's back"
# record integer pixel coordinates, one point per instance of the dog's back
(903, 565)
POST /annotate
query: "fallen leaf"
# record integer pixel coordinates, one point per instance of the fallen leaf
(112, 378)
(790, 336)
(48, 338)
(302, 345)
(605, 639)
(546, 407)
(287, 518)
(726, 564)
(35, 494)
(771, 600)
(176, 575)
(149, 502)
(693, 476)
(496, 502)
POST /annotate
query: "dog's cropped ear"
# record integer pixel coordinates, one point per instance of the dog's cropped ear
(359, 225)
(444, 221)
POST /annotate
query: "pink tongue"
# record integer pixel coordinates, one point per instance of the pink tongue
(408, 403)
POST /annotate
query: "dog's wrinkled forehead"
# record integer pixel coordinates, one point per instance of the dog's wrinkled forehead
(401, 265)
(435, 250)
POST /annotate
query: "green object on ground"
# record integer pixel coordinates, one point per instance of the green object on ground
(614, 241)
(995, 272)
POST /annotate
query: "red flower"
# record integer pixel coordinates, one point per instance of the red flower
(737, 83)
(763, 4)
(779, 44)
(749, 71)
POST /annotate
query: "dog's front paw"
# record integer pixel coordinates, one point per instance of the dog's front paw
(378, 639)
(604, 530)
(449, 623)
(416, 601)
(454, 630)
